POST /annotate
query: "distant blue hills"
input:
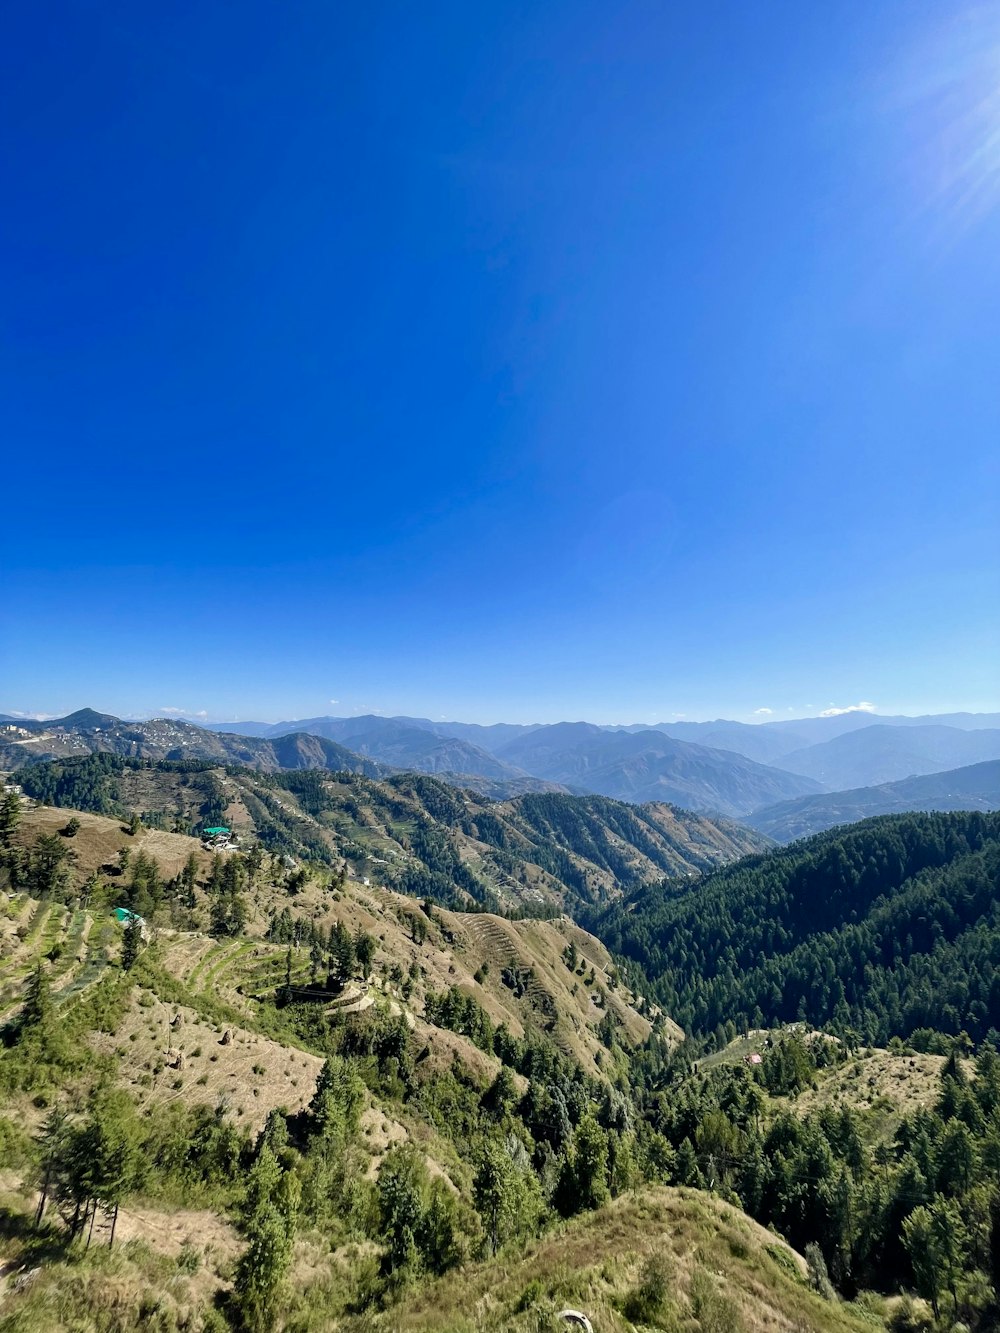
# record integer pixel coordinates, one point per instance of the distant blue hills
(784, 777)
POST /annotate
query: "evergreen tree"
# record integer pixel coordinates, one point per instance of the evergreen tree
(402, 1180)
(10, 817)
(495, 1193)
(49, 865)
(131, 944)
(269, 1223)
(37, 1010)
(364, 951)
(261, 1271)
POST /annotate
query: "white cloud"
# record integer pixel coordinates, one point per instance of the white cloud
(183, 712)
(32, 717)
(335, 701)
(763, 712)
(862, 707)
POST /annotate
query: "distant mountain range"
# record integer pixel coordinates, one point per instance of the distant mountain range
(976, 787)
(771, 741)
(881, 754)
(406, 743)
(730, 768)
(845, 751)
(24, 741)
(649, 766)
(631, 765)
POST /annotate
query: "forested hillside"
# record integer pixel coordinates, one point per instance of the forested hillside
(888, 927)
(535, 853)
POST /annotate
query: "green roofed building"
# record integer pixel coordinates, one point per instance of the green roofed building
(123, 915)
(214, 832)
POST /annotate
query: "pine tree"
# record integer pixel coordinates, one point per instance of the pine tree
(51, 1151)
(495, 1194)
(10, 817)
(590, 1163)
(364, 951)
(402, 1180)
(36, 1012)
(131, 944)
(49, 864)
(261, 1271)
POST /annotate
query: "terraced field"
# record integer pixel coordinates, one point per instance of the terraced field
(77, 945)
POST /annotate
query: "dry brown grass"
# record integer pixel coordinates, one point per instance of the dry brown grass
(100, 839)
(250, 1074)
(457, 946)
(905, 1081)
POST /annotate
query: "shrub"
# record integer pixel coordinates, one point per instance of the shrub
(648, 1301)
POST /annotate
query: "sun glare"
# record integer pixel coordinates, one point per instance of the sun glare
(952, 94)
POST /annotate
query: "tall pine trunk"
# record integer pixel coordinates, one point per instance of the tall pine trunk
(43, 1199)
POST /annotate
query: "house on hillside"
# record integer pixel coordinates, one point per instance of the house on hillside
(218, 838)
(126, 917)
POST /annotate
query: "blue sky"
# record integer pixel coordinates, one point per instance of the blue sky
(518, 361)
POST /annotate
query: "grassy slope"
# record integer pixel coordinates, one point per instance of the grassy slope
(594, 1262)
(737, 1277)
(100, 839)
(189, 1034)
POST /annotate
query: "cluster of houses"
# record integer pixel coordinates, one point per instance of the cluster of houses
(219, 839)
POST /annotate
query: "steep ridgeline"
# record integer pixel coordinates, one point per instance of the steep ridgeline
(537, 853)
(888, 927)
(974, 788)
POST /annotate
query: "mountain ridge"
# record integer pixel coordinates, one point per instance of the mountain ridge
(647, 765)
(878, 754)
(974, 787)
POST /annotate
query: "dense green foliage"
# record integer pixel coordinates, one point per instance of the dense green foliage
(89, 783)
(871, 1207)
(887, 927)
